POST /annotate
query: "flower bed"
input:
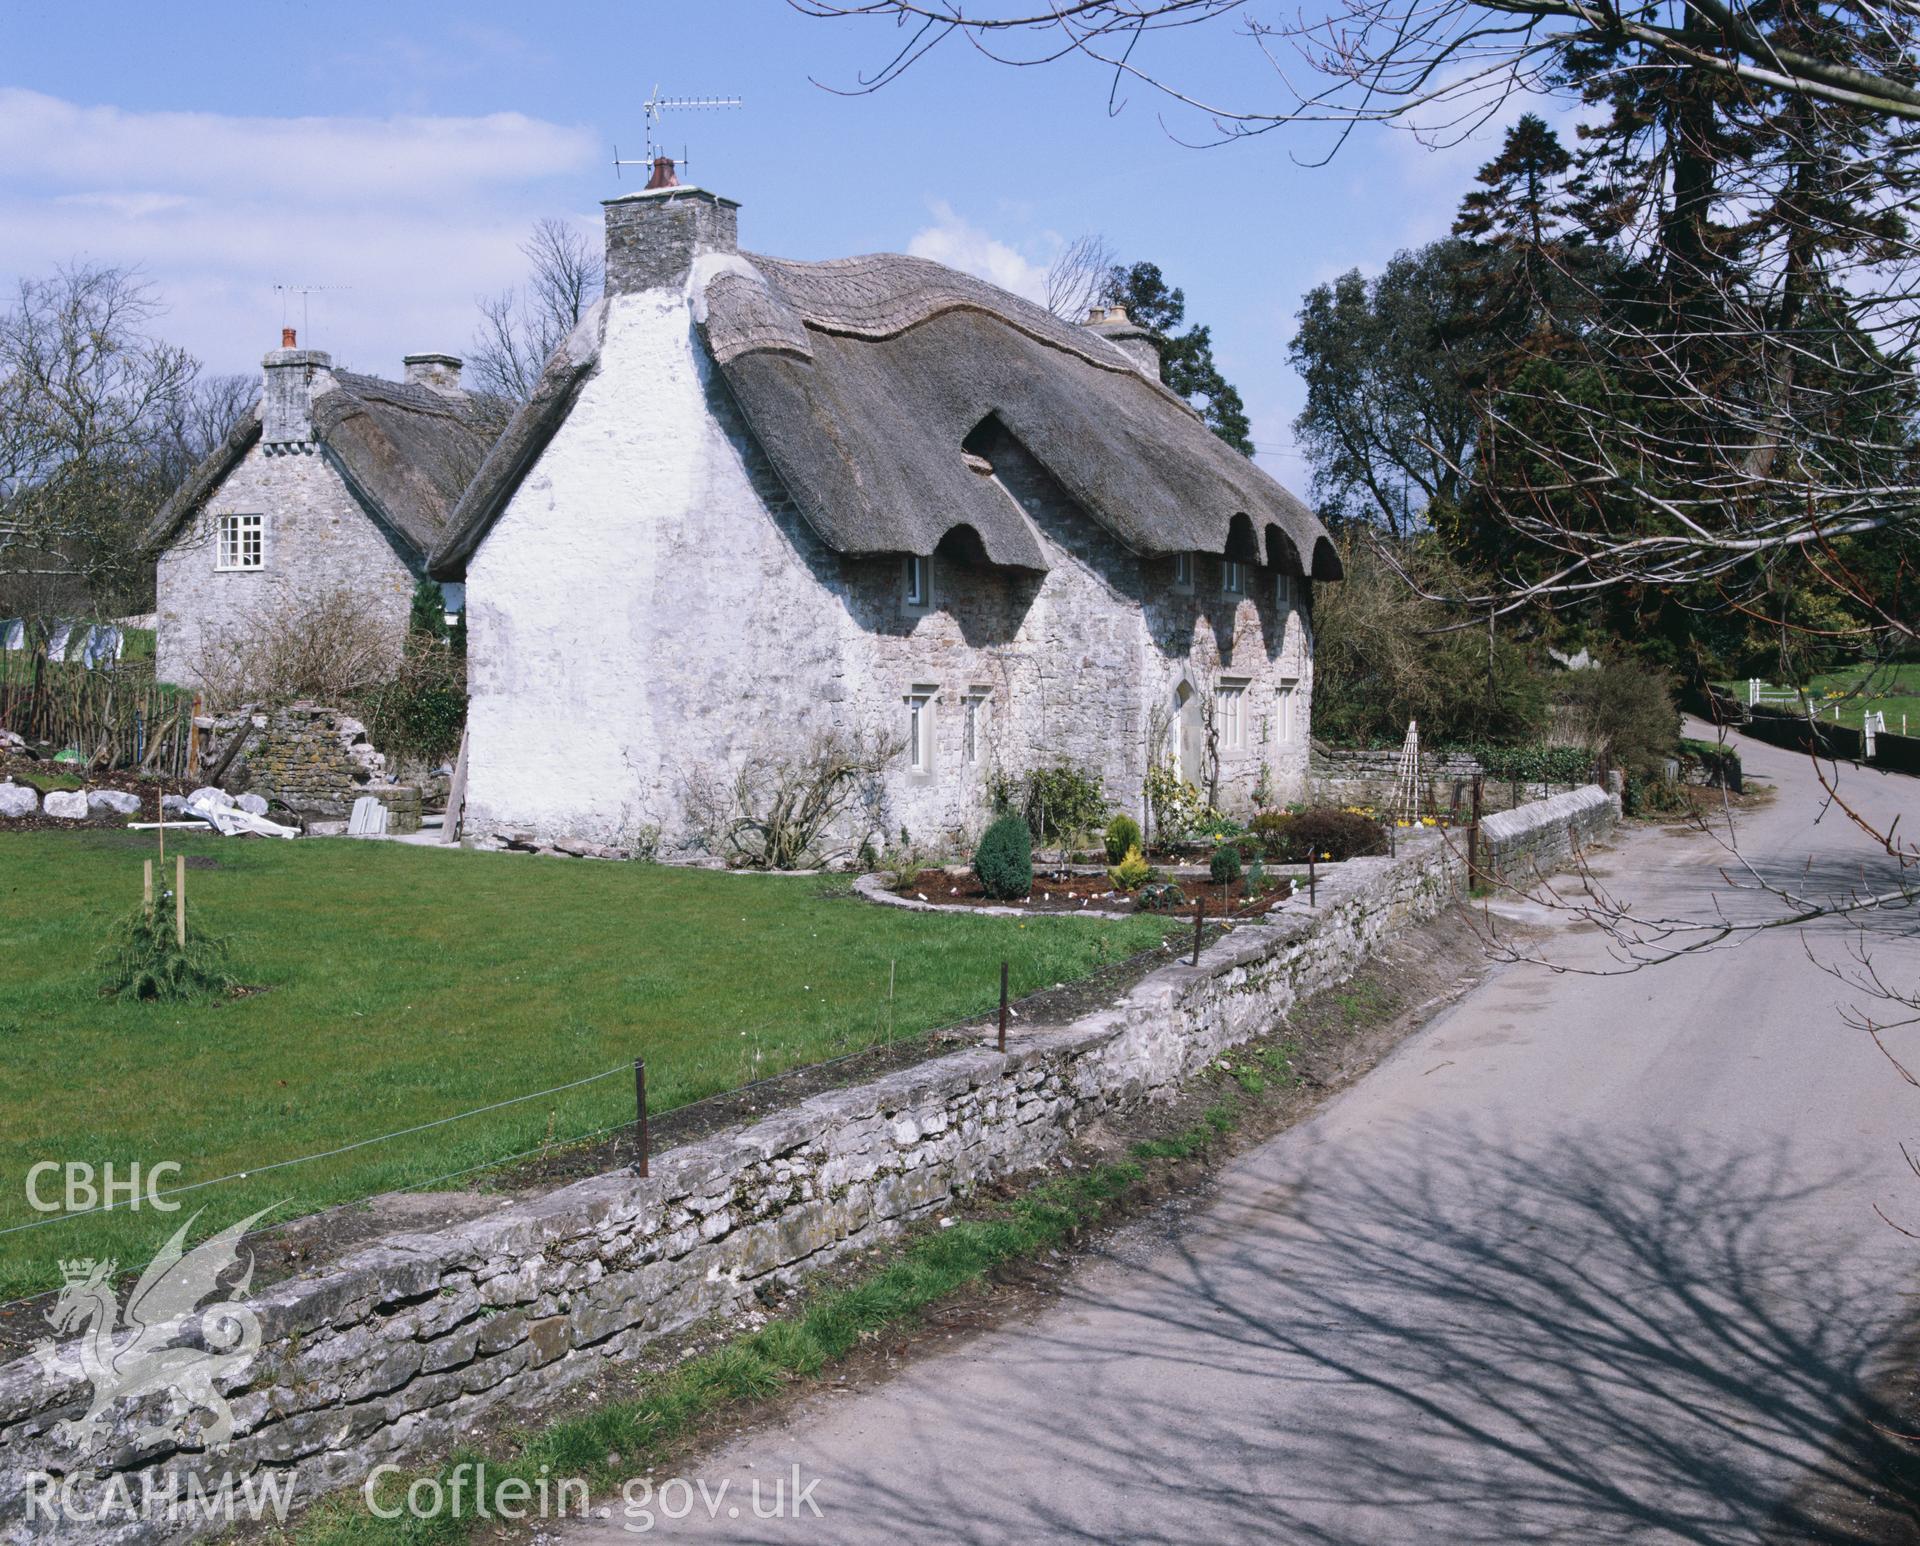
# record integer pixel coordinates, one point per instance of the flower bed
(1064, 891)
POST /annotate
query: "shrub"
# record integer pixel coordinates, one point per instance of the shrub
(1319, 833)
(1382, 656)
(1123, 836)
(1267, 828)
(1004, 860)
(1132, 872)
(1161, 898)
(1536, 762)
(418, 714)
(330, 644)
(1056, 803)
(1625, 713)
(427, 616)
(783, 809)
(143, 959)
(1224, 866)
(1256, 877)
(1180, 816)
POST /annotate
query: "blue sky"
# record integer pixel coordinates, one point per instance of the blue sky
(398, 152)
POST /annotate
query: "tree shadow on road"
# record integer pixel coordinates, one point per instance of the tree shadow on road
(1441, 1340)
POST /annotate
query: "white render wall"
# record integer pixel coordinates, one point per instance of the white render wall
(650, 610)
(318, 536)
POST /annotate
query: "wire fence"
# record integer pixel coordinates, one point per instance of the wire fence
(734, 1094)
(307, 1159)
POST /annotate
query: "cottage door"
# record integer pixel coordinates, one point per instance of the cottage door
(1192, 742)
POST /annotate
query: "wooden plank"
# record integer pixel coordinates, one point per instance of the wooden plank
(456, 796)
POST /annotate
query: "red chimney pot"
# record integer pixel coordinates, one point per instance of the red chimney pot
(663, 173)
(286, 338)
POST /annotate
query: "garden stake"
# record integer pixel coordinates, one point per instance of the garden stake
(180, 899)
(1313, 882)
(1199, 913)
(640, 1108)
(1003, 1006)
(147, 889)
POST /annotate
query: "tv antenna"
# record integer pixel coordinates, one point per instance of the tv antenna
(303, 291)
(655, 107)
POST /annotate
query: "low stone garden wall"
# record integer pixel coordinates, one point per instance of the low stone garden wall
(1370, 776)
(1536, 839)
(390, 1354)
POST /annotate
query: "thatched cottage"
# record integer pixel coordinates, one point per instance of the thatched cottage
(331, 481)
(756, 502)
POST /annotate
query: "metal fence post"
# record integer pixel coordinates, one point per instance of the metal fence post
(640, 1108)
(1003, 1006)
(1199, 917)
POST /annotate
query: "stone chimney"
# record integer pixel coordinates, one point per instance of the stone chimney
(1135, 342)
(654, 235)
(287, 408)
(436, 372)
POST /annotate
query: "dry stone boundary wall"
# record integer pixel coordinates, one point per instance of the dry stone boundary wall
(389, 1354)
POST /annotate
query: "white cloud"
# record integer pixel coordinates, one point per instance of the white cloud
(960, 244)
(407, 218)
(364, 159)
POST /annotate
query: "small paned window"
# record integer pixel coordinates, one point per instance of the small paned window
(241, 542)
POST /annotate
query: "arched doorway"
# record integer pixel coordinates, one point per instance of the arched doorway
(1189, 739)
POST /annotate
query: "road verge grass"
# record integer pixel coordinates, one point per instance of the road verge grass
(625, 1437)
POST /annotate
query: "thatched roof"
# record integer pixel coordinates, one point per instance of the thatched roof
(406, 451)
(863, 379)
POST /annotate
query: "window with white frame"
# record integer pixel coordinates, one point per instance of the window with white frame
(1230, 705)
(918, 581)
(973, 725)
(1183, 571)
(1233, 578)
(1283, 591)
(241, 542)
(920, 729)
(1285, 709)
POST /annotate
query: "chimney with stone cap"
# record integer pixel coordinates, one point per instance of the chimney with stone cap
(1135, 342)
(287, 406)
(436, 372)
(654, 235)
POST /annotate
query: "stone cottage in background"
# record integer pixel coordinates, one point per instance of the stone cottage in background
(331, 480)
(755, 501)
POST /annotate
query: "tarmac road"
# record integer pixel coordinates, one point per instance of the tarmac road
(1590, 1258)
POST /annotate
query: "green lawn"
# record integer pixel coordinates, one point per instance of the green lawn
(407, 984)
(1892, 690)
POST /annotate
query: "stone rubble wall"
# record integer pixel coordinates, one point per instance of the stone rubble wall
(1342, 775)
(1371, 776)
(1537, 839)
(391, 1353)
(313, 760)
